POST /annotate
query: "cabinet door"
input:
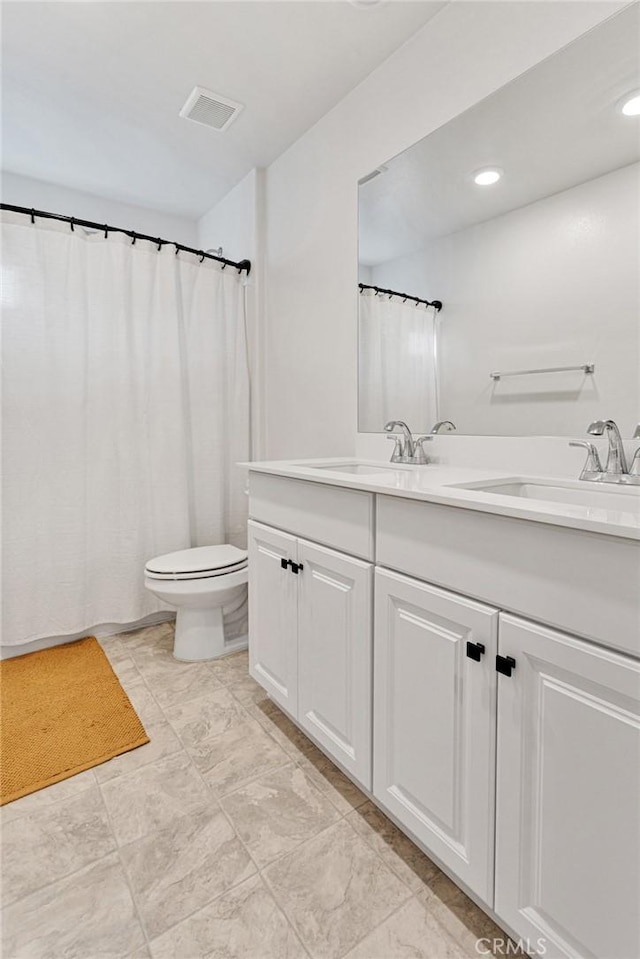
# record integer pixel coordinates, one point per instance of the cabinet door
(334, 655)
(273, 640)
(568, 813)
(434, 721)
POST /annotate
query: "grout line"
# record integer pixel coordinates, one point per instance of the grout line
(217, 799)
(297, 762)
(132, 892)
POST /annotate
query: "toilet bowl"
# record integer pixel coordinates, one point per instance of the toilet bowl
(201, 583)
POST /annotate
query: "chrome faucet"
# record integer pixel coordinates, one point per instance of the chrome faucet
(443, 426)
(616, 469)
(616, 465)
(592, 469)
(634, 469)
(406, 449)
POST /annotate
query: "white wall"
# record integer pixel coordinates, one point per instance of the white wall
(231, 224)
(465, 53)
(25, 191)
(553, 283)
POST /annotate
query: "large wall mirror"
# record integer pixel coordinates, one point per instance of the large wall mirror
(522, 218)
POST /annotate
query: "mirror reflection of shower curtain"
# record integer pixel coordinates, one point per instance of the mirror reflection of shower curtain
(398, 375)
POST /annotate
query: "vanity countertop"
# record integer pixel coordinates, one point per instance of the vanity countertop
(440, 484)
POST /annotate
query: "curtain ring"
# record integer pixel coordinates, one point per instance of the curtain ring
(201, 257)
(72, 225)
(224, 266)
(33, 216)
(159, 242)
(133, 239)
(177, 246)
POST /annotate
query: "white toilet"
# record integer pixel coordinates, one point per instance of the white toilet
(201, 582)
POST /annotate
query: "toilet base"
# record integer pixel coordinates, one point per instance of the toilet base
(200, 635)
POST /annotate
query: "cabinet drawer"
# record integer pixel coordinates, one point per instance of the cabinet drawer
(326, 514)
(572, 578)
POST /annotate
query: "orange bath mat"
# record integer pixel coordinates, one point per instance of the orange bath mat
(62, 710)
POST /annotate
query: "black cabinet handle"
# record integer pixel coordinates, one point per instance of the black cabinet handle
(475, 651)
(505, 665)
(295, 567)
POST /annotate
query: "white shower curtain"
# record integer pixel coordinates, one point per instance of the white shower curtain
(125, 410)
(398, 375)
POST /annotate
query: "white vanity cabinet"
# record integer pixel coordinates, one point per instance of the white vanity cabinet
(409, 644)
(568, 794)
(310, 648)
(273, 612)
(434, 722)
(334, 655)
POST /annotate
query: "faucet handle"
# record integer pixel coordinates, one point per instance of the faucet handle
(419, 455)
(593, 467)
(397, 455)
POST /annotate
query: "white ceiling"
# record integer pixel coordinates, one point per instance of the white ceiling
(91, 90)
(556, 126)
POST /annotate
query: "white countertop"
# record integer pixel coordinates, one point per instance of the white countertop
(437, 484)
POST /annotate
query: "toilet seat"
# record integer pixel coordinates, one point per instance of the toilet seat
(200, 562)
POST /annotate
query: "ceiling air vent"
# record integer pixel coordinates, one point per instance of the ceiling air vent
(210, 109)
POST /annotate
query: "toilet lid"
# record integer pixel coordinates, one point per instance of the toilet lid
(201, 561)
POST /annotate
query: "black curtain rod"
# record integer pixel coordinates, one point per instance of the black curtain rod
(242, 265)
(436, 304)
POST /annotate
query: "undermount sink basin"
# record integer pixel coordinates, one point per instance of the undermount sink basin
(361, 469)
(588, 495)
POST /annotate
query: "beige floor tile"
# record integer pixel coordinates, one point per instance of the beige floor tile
(85, 916)
(112, 646)
(334, 889)
(237, 757)
(147, 800)
(173, 682)
(343, 793)
(47, 797)
(245, 923)
(125, 669)
(53, 842)
(247, 691)
(288, 736)
(164, 742)
(461, 918)
(148, 637)
(276, 813)
(410, 933)
(178, 870)
(231, 669)
(148, 710)
(205, 717)
(399, 853)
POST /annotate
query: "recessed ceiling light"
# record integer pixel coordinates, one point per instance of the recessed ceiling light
(487, 177)
(631, 106)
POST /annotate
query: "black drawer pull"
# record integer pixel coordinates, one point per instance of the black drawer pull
(505, 665)
(296, 567)
(285, 563)
(475, 651)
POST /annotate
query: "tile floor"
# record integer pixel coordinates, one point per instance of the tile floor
(228, 835)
